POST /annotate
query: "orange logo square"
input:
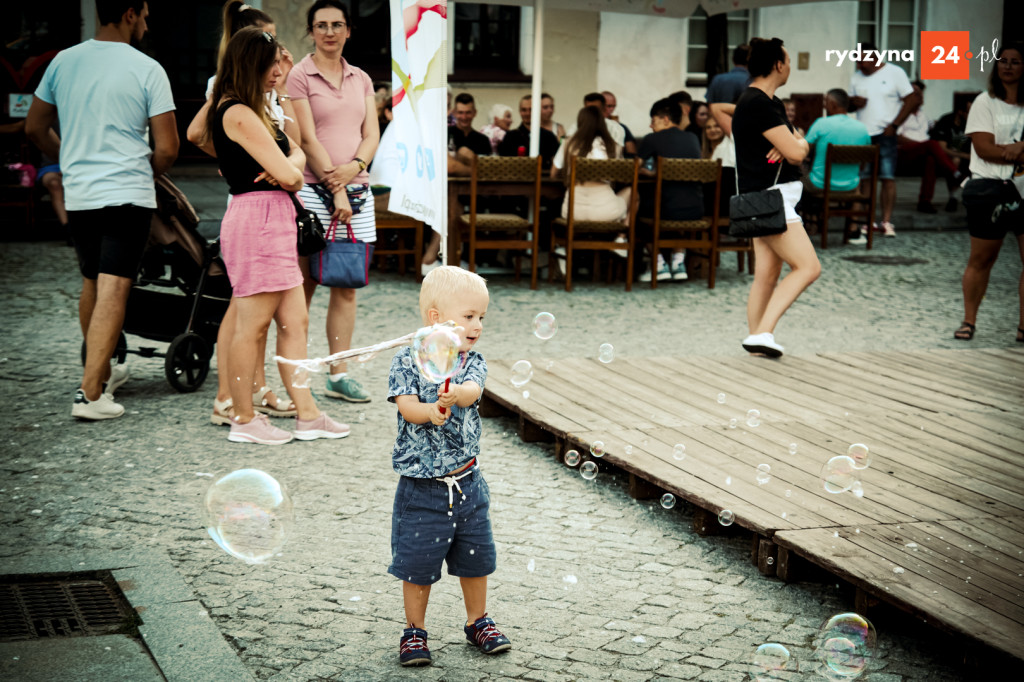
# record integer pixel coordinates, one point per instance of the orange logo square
(945, 55)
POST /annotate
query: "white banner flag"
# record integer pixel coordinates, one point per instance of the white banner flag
(419, 132)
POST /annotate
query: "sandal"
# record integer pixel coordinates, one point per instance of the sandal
(266, 402)
(965, 332)
(223, 412)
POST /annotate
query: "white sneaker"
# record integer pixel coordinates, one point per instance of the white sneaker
(118, 375)
(621, 253)
(559, 258)
(861, 238)
(678, 267)
(103, 407)
(763, 343)
(427, 267)
(663, 272)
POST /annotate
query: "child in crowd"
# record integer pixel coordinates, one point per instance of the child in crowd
(441, 511)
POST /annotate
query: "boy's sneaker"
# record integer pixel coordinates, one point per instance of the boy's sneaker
(412, 648)
(485, 635)
(348, 389)
(860, 238)
(678, 267)
(118, 375)
(663, 272)
(321, 427)
(103, 407)
(259, 431)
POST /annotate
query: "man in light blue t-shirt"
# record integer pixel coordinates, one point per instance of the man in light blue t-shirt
(109, 98)
(836, 128)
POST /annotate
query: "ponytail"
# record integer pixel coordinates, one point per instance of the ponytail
(238, 15)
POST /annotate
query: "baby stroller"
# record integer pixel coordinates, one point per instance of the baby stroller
(180, 294)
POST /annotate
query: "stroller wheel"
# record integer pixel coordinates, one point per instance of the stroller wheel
(187, 362)
(120, 350)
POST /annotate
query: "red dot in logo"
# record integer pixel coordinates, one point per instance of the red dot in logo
(970, 55)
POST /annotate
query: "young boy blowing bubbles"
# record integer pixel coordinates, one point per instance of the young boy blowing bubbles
(441, 510)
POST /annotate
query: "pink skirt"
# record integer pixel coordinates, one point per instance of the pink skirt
(258, 243)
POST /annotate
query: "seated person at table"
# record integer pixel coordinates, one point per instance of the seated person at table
(610, 104)
(501, 121)
(685, 101)
(917, 154)
(517, 141)
(679, 200)
(615, 129)
(718, 146)
(948, 131)
(461, 136)
(836, 127)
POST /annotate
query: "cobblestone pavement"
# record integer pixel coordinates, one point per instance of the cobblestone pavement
(650, 600)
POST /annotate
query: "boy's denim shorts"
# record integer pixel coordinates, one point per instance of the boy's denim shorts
(423, 536)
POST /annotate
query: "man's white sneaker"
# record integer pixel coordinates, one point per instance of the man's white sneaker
(103, 407)
(763, 343)
(678, 268)
(663, 272)
(118, 375)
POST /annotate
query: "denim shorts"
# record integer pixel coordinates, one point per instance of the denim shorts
(423, 535)
(887, 152)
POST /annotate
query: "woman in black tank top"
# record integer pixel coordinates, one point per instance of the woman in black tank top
(258, 236)
(769, 154)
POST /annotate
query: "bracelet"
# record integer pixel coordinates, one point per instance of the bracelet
(283, 98)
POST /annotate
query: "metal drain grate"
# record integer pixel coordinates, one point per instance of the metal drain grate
(61, 607)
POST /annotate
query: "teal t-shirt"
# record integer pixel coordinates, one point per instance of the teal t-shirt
(837, 129)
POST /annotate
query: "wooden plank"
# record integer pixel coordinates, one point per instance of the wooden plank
(919, 595)
(999, 374)
(968, 434)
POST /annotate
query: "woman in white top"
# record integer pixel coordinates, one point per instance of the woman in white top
(993, 194)
(594, 200)
(501, 121)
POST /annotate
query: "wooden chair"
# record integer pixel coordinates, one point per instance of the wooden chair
(743, 248)
(503, 230)
(699, 235)
(388, 222)
(590, 235)
(834, 203)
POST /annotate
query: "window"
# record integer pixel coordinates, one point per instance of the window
(485, 42)
(891, 25)
(707, 35)
(369, 48)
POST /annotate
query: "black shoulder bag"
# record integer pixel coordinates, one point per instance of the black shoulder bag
(310, 230)
(757, 214)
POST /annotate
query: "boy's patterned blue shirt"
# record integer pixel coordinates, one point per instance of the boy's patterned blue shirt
(425, 450)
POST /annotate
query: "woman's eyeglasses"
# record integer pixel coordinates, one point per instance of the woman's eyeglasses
(323, 26)
(1009, 62)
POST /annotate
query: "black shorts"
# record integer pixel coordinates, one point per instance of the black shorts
(110, 239)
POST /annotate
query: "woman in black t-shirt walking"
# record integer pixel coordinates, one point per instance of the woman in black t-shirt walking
(764, 139)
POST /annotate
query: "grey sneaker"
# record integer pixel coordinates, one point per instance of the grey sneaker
(103, 407)
(348, 389)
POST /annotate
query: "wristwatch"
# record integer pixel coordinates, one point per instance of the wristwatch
(362, 164)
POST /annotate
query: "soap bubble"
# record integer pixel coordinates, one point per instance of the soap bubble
(767, 660)
(753, 418)
(721, 399)
(544, 326)
(300, 377)
(845, 644)
(838, 474)
(726, 517)
(792, 448)
(597, 449)
(628, 449)
(860, 454)
(248, 514)
(732, 423)
(668, 500)
(764, 473)
(679, 451)
(526, 394)
(606, 353)
(571, 458)
(435, 350)
(522, 372)
(857, 489)
(589, 470)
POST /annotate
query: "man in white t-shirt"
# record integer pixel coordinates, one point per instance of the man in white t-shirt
(918, 154)
(883, 98)
(109, 98)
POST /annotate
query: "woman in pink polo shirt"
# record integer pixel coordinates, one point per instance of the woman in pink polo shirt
(337, 114)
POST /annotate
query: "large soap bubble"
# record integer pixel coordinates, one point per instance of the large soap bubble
(522, 372)
(571, 458)
(435, 350)
(845, 644)
(606, 353)
(544, 326)
(726, 517)
(838, 474)
(249, 514)
(767, 661)
(589, 470)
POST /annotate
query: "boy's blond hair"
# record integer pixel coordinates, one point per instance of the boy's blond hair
(444, 282)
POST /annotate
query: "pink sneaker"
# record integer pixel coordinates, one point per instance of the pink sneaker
(321, 427)
(260, 431)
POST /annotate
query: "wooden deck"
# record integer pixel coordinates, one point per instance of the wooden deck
(939, 531)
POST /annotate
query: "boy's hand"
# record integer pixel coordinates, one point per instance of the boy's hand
(447, 398)
(437, 418)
